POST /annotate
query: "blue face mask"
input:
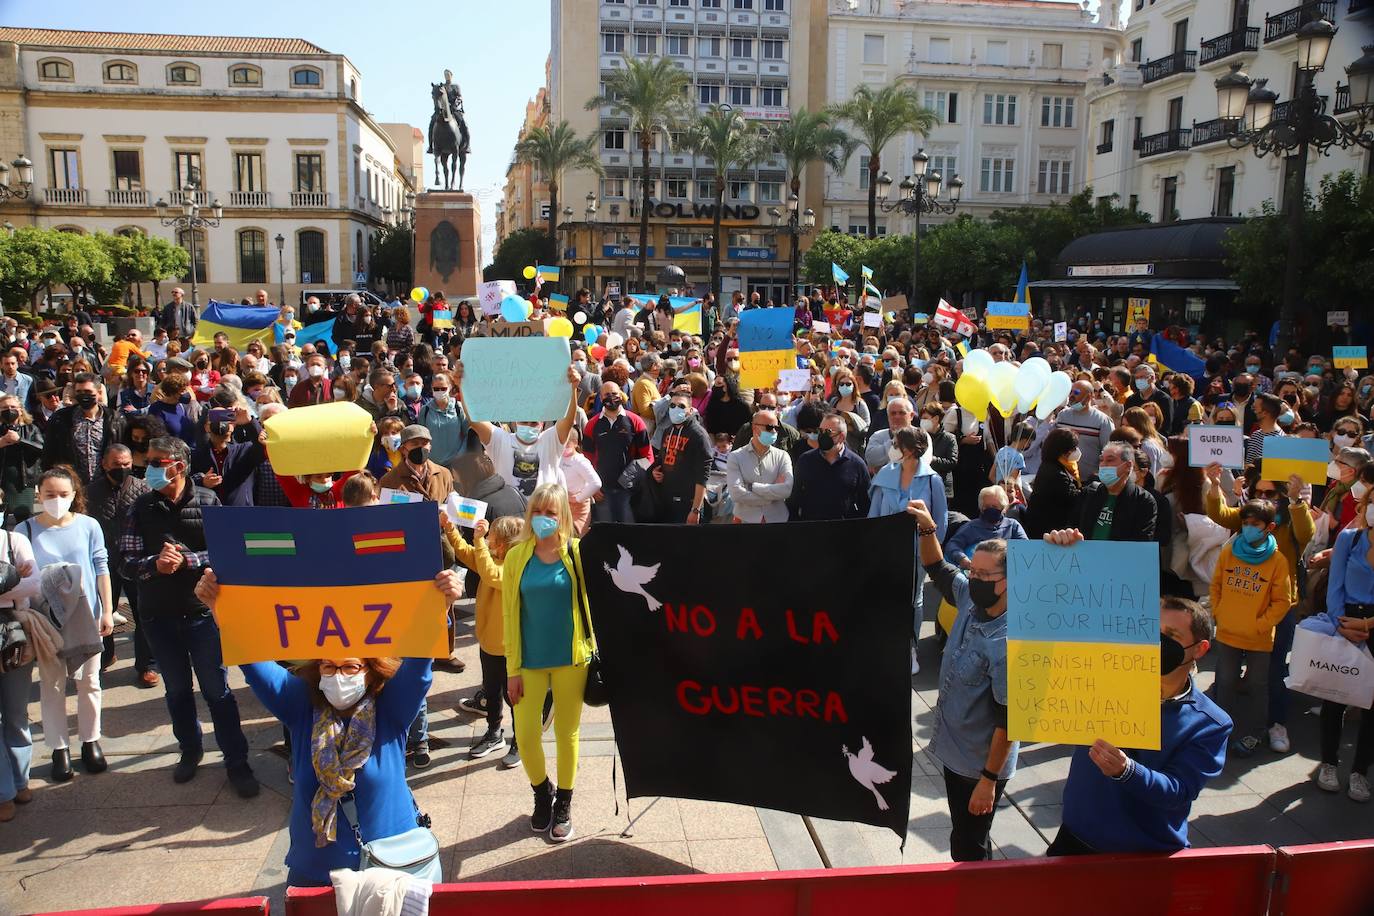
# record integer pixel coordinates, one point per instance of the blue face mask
(768, 437)
(846, 390)
(1142, 384)
(677, 415)
(527, 434)
(1108, 476)
(543, 526)
(156, 478)
(1286, 418)
(1253, 370)
(1253, 534)
(412, 391)
(320, 486)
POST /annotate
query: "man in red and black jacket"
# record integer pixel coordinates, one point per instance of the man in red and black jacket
(613, 439)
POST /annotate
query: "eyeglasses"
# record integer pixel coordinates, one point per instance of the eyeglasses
(328, 669)
(161, 462)
(981, 577)
(139, 372)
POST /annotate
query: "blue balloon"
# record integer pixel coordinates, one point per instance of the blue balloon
(591, 333)
(513, 308)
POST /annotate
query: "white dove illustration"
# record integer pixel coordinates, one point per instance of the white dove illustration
(631, 578)
(867, 773)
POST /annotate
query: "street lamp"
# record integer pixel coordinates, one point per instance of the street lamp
(919, 193)
(1253, 118)
(408, 220)
(798, 224)
(592, 207)
(281, 268)
(190, 220)
(24, 171)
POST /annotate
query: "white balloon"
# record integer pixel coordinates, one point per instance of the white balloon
(1002, 383)
(1056, 393)
(579, 318)
(613, 340)
(1030, 381)
(978, 364)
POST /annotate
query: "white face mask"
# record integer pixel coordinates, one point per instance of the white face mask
(344, 690)
(1340, 440)
(1074, 456)
(57, 506)
(928, 425)
(1359, 490)
(1369, 515)
(316, 371)
(1333, 470)
(894, 453)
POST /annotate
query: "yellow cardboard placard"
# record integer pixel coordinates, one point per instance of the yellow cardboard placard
(1078, 692)
(319, 439)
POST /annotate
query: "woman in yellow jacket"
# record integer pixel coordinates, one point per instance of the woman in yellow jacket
(1251, 593)
(548, 645)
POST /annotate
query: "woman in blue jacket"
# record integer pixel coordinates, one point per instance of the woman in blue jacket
(910, 476)
(348, 719)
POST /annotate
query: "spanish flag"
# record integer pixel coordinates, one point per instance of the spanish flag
(240, 323)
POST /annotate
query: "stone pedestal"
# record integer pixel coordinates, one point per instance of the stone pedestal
(448, 231)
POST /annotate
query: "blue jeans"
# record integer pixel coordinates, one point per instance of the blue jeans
(16, 742)
(418, 736)
(1278, 667)
(918, 602)
(183, 645)
(615, 507)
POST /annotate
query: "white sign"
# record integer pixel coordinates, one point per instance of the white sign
(766, 114)
(1112, 270)
(1338, 319)
(613, 289)
(492, 292)
(822, 327)
(873, 320)
(1223, 445)
(794, 380)
(389, 496)
(1061, 330)
(305, 277)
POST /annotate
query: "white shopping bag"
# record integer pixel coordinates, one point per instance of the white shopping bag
(1331, 668)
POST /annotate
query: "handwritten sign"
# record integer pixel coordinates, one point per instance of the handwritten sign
(388, 496)
(1286, 456)
(873, 320)
(498, 328)
(1137, 310)
(820, 327)
(492, 292)
(794, 380)
(1014, 316)
(1338, 319)
(464, 511)
(353, 583)
(765, 346)
(1061, 330)
(1083, 643)
(895, 305)
(515, 379)
(1350, 357)
(1223, 445)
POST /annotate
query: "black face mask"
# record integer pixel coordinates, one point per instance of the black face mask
(117, 476)
(9, 415)
(825, 442)
(983, 593)
(418, 456)
(1172, 653)
(85, 399)
(139, 446)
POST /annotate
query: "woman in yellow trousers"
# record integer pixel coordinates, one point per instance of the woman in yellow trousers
(548, 646)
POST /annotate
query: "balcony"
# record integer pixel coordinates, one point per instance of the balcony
(250, 199)
(1164, 67)
(1104, 148)
(64, 195)
(1170, 141)
(1286, 24)
(1240, 41)
(199, 198)
(125, 198)
(1213, 131)
(315, 199)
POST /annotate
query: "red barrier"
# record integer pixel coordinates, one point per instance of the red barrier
(1329, 879)
(1219, 882)
(239, 906)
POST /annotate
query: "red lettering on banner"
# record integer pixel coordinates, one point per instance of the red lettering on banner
(750, 700)
(834, 709)
(699, 707)
(675, 617)
(331, 625)
(808, 703)
(779, 699)
(748, 620)
(821, 626)
(700, 619)
(730, 705)
(792, 629)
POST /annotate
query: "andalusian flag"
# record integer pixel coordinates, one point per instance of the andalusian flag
(240, 323)
(269, 544)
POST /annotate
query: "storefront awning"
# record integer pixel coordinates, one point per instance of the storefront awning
(1129, 283)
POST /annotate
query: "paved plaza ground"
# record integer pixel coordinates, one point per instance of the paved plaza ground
(133, 836)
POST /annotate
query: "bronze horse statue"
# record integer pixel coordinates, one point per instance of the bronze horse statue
(449, 141)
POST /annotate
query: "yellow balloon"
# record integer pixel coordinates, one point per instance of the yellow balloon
(973, 395)
(559, 327)
(529, 273)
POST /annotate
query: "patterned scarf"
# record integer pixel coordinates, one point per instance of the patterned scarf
(337, 750)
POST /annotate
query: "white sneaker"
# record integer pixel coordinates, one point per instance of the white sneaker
(1327, 780)
(119, 619)
(1278, 739)
(915, 665)
(1359, 788)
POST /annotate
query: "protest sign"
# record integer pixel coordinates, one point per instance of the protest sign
(873, 320)
(1223, 445)
(1350, 357)
(388, 496)
(804, 681)
(895, 305)
(498, 328)
(1339, 319)
(1013, 316)
(1285, 456)
(492, 292)
(820, 327)
(1061, 330)
(463, 511)
(765, 346)
(1083, 643)
(1137, 310)
(515, 379)
(319, 439)
(794, 380)
(348, 583)
(613, 289)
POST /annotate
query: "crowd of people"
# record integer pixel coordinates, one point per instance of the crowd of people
(108, 456)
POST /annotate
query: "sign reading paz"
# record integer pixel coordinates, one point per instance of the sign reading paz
(789, 692)
(348, 583)
(507, 380)
(1223, 445)
(1083, 643)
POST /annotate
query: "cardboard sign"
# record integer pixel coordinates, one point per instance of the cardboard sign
(388, 496)
(1061, 331)
(1012, 316)
(794, 380)
(1339, 319)
(492, 292)
(1285, 456)
(1137, 310)
(319, 439)
(498, 328)
(806, 683)
(516, 379)
(765, 346)
(1083, 643)
(613, 289)
(873, 320)
(340, 583)
(895, 305)
(1223, 445)
(1350, 357)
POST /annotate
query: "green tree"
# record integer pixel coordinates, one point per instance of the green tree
(879, 116)
(30, 259)
(970, 256)
(173, 261)
(1044, 231)
(652, 94)
(137, 259)
(810, 136)
(848, 251)
(731, 142)
(390, 257)
(521, 249)
(553, 150)
(85, 268)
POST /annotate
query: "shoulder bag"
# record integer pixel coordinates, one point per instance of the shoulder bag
(595, 693)
(415, 852)
(14, 642)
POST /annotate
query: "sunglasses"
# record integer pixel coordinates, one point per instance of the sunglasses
(161, 462)
(772, 427)
(1266, 494)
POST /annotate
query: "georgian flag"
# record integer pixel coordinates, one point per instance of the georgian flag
(947, 316)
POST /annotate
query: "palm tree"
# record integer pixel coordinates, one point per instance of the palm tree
(810, 136)
(651, 94)
(879, 116)
(723, 135)
(553, 149)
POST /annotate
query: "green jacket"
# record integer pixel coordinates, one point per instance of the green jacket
(511, 572)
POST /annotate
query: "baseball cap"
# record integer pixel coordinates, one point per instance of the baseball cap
(414, 431)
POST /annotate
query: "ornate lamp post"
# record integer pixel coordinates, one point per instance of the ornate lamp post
(191, 221)
(592, 207)
(919, 193)
(24, 172)
(281, 268)
(797, 225)
(408, 220)
(1256, 119)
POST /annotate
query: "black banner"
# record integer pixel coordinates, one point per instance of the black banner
(760, 664)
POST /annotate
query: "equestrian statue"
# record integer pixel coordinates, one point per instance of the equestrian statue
(448, 132)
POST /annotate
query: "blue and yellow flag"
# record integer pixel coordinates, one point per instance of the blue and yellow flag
(866, 271)
(765, 346)
(1170, 357)
(1022, 287)
(240, 323)
(1287, 456)
(548, 274)
(686, 311)
(837, 273)
(321, 333)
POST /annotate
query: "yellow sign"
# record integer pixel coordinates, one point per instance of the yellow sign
(1137, 310)
(1350, 357)
(1078, 692)
(319, 439)
(760, 368)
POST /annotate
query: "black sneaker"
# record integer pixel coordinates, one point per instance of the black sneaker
(186, 767)
(493, 742)
(476, 704)
(562, 829)
(511, 760)
(244, 782)
(420, 759)
(543, 806)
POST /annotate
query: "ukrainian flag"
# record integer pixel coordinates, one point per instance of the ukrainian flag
(1022, 286)
(1285, 456)
(866, 271)
(1170, 357)
(686, 311)
(240, 323)
(548, 274)
(321, 333)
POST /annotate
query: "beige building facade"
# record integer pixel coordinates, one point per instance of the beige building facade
(525, 197)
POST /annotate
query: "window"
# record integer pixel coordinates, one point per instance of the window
(770, 192)
(128, 170)
(310, 255)
(775, 6)
(710, 4)
(310, 172)
(939, 51)
(740, 190)
(744, 4)
(706, 189)
(1168, 200)
(245, 75)
(742, 48)
(187, 169)
(120, 72)
(999, 108)
(864, 174)
(1054, 177)
(708, 47)
(55, 69)
(647, 2)
(183, 74)
(741, 95)
(613, 187)
(679, 2)
(944, 104)
(1052, 55)
(997, 53)
(858, 229)
(773, 48)
(1226, 191)
(947, 166)
(252, 256)
(679, 46)
(613, 42)
(997, 175)
(613, 139)
(708, 94)
(1056, 111)
(307, 78)
(645, 43)
(772, 97)
(875, 49)
(64, 169)
(199, 255)
(1108, 134)
(352, 88)
(686, 238)
(358, 251)
(675, 188)
(1137, 50)
(1135, 137)
(248, 172)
